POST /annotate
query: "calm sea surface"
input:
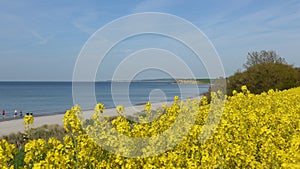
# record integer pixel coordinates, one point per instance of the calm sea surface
(43, 98)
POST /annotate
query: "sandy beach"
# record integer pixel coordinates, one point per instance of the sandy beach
(16, 125)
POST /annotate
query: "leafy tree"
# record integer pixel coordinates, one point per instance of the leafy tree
(298, 69)
(255, 58)
(264, 70)
(264, 76)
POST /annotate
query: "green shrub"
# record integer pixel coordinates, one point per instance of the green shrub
(298, 70)
(264, 76)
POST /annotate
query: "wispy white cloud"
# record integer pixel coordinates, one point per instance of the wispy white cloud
(87, 20)
(83, 27)
(17, 28)
(42, 40)
(270, 21)
(234, 27)
(246, 27)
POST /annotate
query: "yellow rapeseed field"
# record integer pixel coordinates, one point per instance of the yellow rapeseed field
(254, 131)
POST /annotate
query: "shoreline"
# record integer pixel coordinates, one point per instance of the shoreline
(10, 118)
(16, 125)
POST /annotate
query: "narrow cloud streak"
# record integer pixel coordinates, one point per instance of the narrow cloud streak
(56, 29)
(42, 39)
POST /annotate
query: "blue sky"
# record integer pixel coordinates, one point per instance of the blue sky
(41, 40)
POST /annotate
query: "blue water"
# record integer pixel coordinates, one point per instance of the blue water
(43, 98)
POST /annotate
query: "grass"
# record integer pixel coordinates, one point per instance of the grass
(44, 132)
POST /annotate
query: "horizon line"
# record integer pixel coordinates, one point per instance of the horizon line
(162, 79)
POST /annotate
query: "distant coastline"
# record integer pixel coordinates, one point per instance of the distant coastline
(182, 81)
(174, 81)
(193, 81)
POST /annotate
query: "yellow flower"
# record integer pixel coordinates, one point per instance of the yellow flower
(7, 152)
(244, 89)
(120, 109)
(176, 98)
(99, 107)
(148, 107)
(234, 92)
(28, 120)
(255, 131)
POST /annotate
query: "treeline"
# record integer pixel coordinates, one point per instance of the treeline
(264, 70)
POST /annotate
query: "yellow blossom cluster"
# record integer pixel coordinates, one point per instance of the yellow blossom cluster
(28, 120)
(72, 121)
(7, 152)
(251, 131)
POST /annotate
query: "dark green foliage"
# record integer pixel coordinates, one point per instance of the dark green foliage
(204, 81)
(298, 70)
(19, 159)
(264, 76)
(264, 70)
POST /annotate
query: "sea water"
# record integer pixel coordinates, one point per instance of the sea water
(45, 98)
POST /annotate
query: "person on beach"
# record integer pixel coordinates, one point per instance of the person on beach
(29, 113)
(15, 114)
(3, 114)
(21, 114)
